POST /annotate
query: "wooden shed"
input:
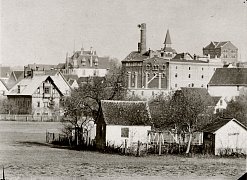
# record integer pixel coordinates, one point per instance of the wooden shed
(226, 136)
(121, 122)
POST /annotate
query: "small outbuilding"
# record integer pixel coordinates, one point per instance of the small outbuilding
(226, 136)
(122, 122)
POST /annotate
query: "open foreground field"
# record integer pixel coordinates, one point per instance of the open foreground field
(25, 156)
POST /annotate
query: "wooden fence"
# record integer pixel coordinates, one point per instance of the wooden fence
(19, 117)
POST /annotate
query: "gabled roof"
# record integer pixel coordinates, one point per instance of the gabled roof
(18, 75)
(3, 82)
(126, 112)
(216, 99)
(135, 56)
(220, 44)
(29, 85)
(229, 76)
(220, 122)
(71, 76)
(168, 38)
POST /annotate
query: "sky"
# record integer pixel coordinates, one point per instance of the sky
(35, 31)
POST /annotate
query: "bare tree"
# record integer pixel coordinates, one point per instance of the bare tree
(85, 101)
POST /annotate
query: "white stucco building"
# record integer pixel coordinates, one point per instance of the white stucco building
(123, 123)
(229, 136)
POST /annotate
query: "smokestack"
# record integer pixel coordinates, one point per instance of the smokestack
(142, 45)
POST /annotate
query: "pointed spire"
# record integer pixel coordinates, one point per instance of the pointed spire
(168, 38)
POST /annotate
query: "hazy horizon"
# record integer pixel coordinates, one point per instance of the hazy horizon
(42, 32)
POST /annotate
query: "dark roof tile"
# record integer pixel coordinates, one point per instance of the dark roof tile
(126, 112)
(229, 76)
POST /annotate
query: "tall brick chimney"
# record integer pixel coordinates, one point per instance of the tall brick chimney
(142, 44)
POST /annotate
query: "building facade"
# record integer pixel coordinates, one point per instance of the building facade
(226, 51)
(150, 73)
(86, 63)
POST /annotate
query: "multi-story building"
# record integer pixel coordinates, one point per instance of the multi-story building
(38, 94)
(86, 63)
(150, 73)
(226, 51)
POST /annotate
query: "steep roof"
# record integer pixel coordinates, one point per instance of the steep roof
(229, 76)
(216, 99)
(220, 44)
(168, 38)
(29, 85)
(220, 122)
(126, 112)
(18, 74)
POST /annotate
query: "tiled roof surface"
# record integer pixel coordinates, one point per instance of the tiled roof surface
(18, 74)
(216, 99)
(135, 56)
(71, 76)
(28, 85)
(126, 112)
(220, 44)
(229, 76)
(61, 66)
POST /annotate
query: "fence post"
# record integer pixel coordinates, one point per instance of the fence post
(138, 148)
(125, 146)
(159, 143)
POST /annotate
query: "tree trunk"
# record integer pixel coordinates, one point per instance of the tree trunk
(189, 143)
(190, 139)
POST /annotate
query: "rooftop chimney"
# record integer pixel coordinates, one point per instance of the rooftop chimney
(142, 45)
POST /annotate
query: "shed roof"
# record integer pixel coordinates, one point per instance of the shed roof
(126, 112)
(229, 76)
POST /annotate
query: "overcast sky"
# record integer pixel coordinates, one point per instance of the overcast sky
(42, 31)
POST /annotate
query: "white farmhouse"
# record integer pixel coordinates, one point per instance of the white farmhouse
(228, 82)
(122, 121)
(227, 136)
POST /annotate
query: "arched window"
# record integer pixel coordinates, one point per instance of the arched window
(189, 76)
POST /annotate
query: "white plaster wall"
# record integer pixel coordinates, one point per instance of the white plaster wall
(196, 71)
(136, 133)
(225, 91)
(220, 106)
(90, 72)
(232, 136)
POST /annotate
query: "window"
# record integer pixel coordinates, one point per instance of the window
(202, 85)
(164, 67)
(189, 76)
(152, 93)
(176, 75)
(237, 88)
(189, 68)
(188, 85)
(19, 89)
(47, 90)
(163, 75)
(142, 93)
(202, 69)
(133, 93)
(125, 132)
(176, 67)
(38, 90)
(148, 67)
(202, 76)
(221, 102)
(192, 85)
(38, 104)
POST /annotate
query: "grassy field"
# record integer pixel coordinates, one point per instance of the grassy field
(25, 156)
